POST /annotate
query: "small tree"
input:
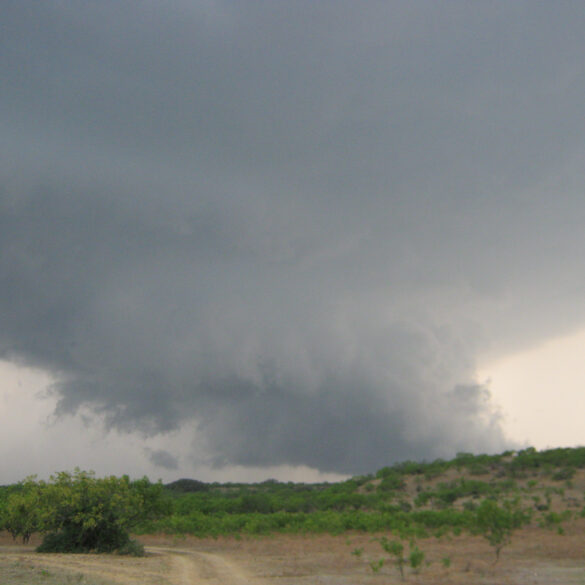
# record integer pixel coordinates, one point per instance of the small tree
(497, 523)
(21, 514)
(395, 549)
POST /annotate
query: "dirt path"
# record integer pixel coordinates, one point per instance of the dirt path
(190, 567)
(168, 566)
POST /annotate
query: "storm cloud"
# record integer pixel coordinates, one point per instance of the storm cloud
(162, 458)
(293, 226)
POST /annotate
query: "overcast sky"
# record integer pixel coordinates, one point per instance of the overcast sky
(260, 238)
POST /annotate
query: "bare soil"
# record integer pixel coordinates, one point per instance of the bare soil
(536, 557)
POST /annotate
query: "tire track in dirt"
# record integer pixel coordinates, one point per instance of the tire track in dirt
(170, 566)
(190, 567)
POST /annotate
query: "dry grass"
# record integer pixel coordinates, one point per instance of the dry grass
(20, 565)
(536, 556)
(20, 570)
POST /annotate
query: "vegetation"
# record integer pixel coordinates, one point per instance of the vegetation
(422, 497)
(491, 495)
(21, 512)
(79, 513)
(497, 523)
(395, 549)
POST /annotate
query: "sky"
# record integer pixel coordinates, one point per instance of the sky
(243, 240)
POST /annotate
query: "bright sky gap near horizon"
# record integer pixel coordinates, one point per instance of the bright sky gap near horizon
(242, 240)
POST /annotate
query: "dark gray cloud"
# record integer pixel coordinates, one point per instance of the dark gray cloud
(162, 458)
(294, 226)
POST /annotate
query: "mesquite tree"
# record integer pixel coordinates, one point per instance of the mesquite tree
(497, 523)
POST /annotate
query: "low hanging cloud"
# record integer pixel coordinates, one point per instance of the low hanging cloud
(162, 458)
(294, 227)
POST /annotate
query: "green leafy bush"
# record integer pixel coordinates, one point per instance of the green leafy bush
(392, 482)
(566, 473)
(79, 513)
(416, 558)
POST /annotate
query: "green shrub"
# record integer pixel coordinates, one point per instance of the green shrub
(396, 550)
(79, 513)
(392, 482)
(565, 473)
(496, 524)
(478, 469)
(132, 548)
(416, 558)
(554, 519)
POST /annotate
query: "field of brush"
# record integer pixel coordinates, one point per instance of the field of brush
(510, 518)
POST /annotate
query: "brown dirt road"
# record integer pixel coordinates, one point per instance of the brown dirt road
(189, 567)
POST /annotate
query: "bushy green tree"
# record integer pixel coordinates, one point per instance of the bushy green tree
(81, 513)
(21, 510)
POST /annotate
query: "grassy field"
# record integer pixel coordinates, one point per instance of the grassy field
(23, 571)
